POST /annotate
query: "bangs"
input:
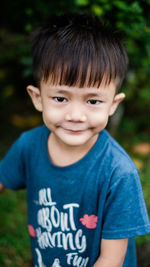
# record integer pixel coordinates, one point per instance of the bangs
(77, 64)
(78, 55)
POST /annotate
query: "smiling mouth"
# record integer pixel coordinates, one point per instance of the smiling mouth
(77, 131)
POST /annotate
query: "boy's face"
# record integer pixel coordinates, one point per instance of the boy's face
(75, 115)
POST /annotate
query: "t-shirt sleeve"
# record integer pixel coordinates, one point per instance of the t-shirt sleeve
(12, 171)
(125, 213)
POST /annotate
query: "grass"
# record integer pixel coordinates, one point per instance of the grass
(14, 239)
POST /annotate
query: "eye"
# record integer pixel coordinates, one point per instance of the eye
(60, 99)
(93, 102)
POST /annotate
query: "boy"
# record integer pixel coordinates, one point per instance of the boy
(85, 202)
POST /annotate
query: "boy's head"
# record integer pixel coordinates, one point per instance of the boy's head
(78, 50)
(78, 64)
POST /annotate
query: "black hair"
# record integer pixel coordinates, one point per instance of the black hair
(78, 49)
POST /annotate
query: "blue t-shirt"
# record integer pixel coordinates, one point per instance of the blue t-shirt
(71, 208)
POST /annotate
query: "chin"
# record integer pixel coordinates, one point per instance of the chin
(75, 143)
(75, 139)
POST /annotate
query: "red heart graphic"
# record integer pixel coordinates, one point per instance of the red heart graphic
(31, 230)
(89, 221)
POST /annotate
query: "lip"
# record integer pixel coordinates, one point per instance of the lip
(76, 127)
(77, 131)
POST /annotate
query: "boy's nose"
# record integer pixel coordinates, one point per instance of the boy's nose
(75, 114)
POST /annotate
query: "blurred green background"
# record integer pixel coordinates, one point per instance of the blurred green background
(130, 125)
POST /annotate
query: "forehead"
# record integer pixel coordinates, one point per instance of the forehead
(102, 90)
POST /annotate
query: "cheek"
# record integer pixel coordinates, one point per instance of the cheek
(99, 119)
(48, 115)
(51, 115)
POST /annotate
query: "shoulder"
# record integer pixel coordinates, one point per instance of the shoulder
(35, 132)
(117, 158)
(124, 181)
(29, 142)
(33, 135)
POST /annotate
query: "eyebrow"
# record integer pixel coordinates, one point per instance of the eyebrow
(62, 91)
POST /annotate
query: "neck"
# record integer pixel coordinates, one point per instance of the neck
(63, 155)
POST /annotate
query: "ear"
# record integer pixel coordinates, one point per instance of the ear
(116, 101)
(35, 95)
